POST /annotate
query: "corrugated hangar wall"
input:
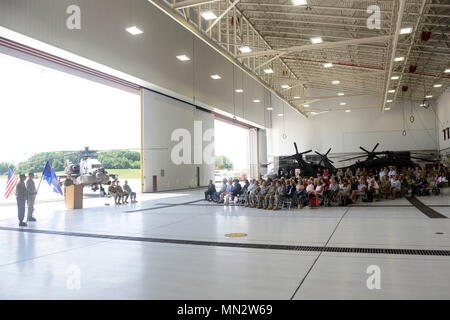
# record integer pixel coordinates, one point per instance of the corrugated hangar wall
(178, 144)
(149, 59)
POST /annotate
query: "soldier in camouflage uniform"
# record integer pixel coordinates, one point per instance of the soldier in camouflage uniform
(262, 194)
(31, 197)
(21, 195)
(280, 195)
(270, 196)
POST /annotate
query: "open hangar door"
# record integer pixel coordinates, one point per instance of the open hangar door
(56, 105)
(240, 149)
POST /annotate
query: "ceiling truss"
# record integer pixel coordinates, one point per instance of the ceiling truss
(363, 60)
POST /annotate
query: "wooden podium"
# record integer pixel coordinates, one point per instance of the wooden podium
(74, 197)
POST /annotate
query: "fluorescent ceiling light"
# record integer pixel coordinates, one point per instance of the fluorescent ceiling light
(422, 104)
(216, 77)
(391, 91)
(328, 65)
(285, 86)
(256, 101)
(306, 105)
(183, 57)
(388, 101)
(316, 40)
(395, 77)
(245, 49)
(268, 70)
(134, 30)
(429, 96)
(348, 110)
(406, 30)
(296, 97)
(340, 94)
(387, 109)
(270, 109)
(239, 90)
(335, 82)
(343, 103)
(437, 85)
(398, 59)
(280, 114)
(299, 2)
(208, 15)
(447, 70)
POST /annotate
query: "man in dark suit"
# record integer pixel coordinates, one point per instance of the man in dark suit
(210, 192)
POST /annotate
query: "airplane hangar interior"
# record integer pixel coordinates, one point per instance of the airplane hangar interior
(225, 150)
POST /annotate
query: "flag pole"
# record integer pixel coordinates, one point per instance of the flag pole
(42, 176)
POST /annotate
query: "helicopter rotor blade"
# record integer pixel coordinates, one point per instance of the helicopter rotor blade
(48, 159)
(295, 145)
(354, 158)
(306, 152)
(348, 155)
(423, 159)
(376, 146)
(326, 154)
(364, 149)
(290, 157)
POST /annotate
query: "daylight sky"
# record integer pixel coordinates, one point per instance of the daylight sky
(47, 110)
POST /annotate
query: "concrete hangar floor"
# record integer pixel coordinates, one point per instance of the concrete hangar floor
(174, 246)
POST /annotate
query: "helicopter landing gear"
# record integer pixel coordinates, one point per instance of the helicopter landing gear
(102, 191)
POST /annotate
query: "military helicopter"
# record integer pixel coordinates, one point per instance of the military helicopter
(89, 172)
(376, 160)
(307, 169)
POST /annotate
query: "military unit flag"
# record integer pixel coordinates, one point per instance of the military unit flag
(49, 175)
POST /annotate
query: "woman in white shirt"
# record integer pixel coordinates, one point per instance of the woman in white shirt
(361, 189)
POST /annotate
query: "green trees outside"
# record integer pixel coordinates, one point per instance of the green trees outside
(222, 162)
(116, 159)
(4, 168)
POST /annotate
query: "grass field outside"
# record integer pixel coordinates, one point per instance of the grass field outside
(123, 173)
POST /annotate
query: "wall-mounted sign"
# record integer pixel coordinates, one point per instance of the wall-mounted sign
(446, 133)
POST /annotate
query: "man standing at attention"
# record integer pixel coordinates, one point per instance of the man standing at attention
(21, 195)
(31, 197)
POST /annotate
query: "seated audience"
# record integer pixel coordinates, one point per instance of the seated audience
(396, 187)
(127, 189)
(209, 194)
(418, 184)
(218, 195)
(328, 188)
(361, 189)
(123, 195)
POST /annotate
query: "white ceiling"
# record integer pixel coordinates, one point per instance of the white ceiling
(363, 67)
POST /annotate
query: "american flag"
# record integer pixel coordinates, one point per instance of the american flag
(11, 184)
